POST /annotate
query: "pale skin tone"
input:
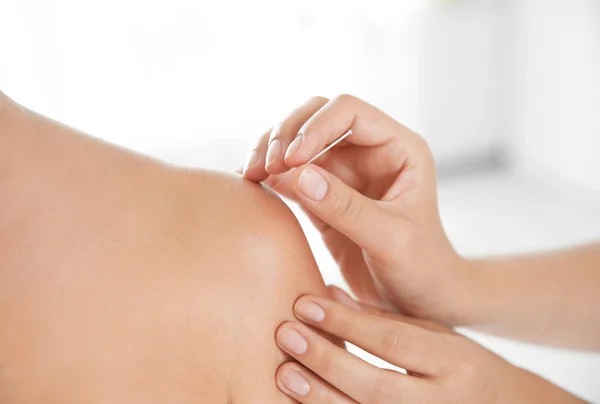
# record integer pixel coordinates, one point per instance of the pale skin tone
(373, 197)
(126, 280)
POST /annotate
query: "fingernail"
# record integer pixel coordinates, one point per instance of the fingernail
(252, 159)
(310, 311)
(344, 298)
(295, 145)
(312, 184)
(291, 341)
(274, 151)
(294, 382)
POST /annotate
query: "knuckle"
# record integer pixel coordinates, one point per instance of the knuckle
(344, 324)
(326, 396)
(383, 391)
(283, 130)
(345, 205)
(326, 364)
(345, 98)
(388, 245)
(423, 148)
(409, 243)
(392, 343)
(317, 99)
(423, 143)
(467, 369)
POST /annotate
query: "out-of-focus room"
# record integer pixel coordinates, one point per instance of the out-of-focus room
(507, 94)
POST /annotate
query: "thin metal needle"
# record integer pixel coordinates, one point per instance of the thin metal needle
(325, 150)
(344, 136)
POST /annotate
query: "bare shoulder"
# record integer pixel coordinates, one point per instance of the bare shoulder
(241, 217)
(264, 265)
(6, 110)
(133, 282)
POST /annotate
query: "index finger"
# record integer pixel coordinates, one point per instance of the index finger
(369, 125)
(340, 296)
(401, 344)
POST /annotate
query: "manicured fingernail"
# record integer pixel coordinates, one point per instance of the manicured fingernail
(294, 382)
(312, 184)
(295, 145)
(344, 298)
(310, 311)
(252, 160)
(291, 341)
(274, 151)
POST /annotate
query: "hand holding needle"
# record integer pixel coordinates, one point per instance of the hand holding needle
(325, 150)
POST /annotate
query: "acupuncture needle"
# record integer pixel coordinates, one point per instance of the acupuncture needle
(325, 150)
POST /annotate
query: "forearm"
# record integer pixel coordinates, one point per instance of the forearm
(530, 388)
(551, 298)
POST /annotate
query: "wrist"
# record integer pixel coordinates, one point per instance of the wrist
(482, 296)
(463, 291)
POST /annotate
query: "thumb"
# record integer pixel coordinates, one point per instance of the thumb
(361, 219)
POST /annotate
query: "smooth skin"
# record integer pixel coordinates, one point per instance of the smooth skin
(127, 280)
(443, 366)
(370, 196)
(373, 197)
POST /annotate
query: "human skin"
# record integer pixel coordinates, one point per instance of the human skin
(373, 197)
(443, 366)
(123, 279)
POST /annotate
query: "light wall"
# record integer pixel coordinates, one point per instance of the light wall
(553, 102)
(191, 81)
(459, 88)
(194, 82)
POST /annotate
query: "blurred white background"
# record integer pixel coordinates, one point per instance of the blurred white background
(506, 92)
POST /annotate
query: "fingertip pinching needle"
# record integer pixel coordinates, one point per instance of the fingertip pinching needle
(325, 150)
